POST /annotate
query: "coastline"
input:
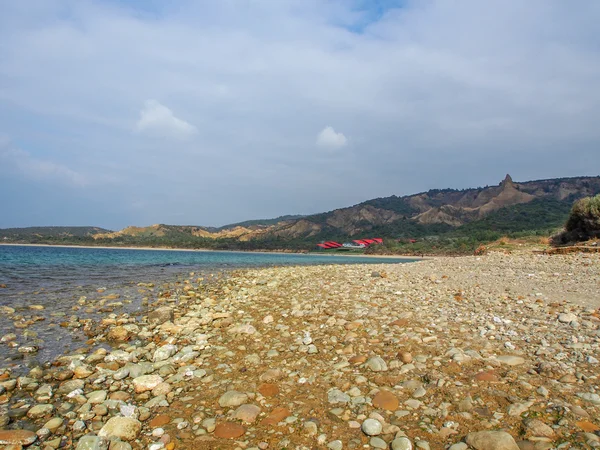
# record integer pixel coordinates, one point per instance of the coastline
(106, 247)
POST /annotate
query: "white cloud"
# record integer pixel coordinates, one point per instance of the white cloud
(328, 138)
(158, 120)
(38, 169)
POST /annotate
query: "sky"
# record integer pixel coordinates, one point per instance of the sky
(201, 112)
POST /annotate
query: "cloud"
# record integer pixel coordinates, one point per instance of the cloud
(38, 169)
(158, 120)
(329, 139)
(481, 88)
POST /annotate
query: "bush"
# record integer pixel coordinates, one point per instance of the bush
(583, 222)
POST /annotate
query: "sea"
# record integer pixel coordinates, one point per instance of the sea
(47, 286)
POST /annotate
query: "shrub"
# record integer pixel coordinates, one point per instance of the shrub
(583, 222)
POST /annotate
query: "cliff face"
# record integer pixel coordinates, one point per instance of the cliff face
(448, 206)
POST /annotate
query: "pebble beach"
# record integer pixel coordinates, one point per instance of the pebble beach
(495, 352)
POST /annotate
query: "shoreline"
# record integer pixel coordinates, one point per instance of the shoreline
(200, 250)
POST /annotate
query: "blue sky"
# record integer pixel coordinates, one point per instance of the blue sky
(116, 113)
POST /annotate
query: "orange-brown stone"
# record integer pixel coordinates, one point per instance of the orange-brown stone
(399, 323)
(358, 359)
(229, 430)
(268, 389)
(588, 427)
(487, 376)
(160, 420)
(386, 400)
(276, 416)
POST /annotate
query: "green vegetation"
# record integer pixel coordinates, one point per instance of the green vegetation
(583, 222)
(33, 232)
(260, 222)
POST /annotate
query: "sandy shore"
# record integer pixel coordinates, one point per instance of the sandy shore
(493, 352)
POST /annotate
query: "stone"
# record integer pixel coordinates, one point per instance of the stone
(53, 424)
(491, 440)
(39, 411)
(386, 400)
(159, 421)
(377, 442)
(401, 443)
(567, 317)
(125, 428)
(335, 396)
(372, 427)
(538, 428)
(277, 415)
(229, 430)
(161, 315)
(118, 334)
(458, 446)
(232, 398)
(377, 364)
(96, 397)
(268, 390)
(247, 413)
(69, 386)
(165, 352)
(511, 360)
(92, 442)
(335, 445)
(590, 397)
(161, 389)
(489, 375)
(17, 437)
(146, 383)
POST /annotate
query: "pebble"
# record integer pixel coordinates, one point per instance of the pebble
(371, 427)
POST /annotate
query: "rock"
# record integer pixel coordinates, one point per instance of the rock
(335, 445)
(401, 443)
(146, 383)
(92, 442)
(371, 427)
(118, 334)
(125, 428)
(232, 398)
(54, 423)
(247, 413)
(511, 360)
(567, 318)
(162, 389)
(242, 329)
(96, 397)
(538, 428)
(39, 411)
(590, 397)
(335, 396)
(164, 352)
(458, 446)
(229, 430)
(377, 364)
(268, 390)
(69, 386)
(161, 315)
(17, 437)
(491, 440)
(377, 442)
(386, 400)
(277, 415)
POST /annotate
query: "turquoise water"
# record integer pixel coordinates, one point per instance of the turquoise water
(57, 278)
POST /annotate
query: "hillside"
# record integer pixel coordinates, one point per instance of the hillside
(45, 232)
(445, 215)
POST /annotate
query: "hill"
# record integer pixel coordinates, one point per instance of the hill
(449, 218)
(33, 233)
